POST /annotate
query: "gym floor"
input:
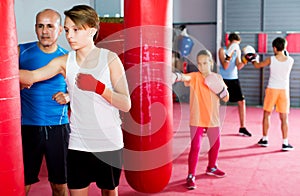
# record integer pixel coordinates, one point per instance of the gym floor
(251, 170)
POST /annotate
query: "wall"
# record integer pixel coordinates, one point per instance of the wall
(276, 18)
(200, 15)
(200, 19)
(110, 8)
(26, 10)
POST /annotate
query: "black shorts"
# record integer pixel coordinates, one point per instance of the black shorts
(235, 90)
(104, 168)
(51, 142)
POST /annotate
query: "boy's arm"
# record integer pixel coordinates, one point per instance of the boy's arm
(238, 60)
(54, 67)
(223, 61)
(119, 96)
(263, 63)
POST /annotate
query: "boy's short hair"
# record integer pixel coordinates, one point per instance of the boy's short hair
(279, 43)
(234, 36)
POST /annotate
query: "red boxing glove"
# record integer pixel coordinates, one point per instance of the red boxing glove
(87, 82)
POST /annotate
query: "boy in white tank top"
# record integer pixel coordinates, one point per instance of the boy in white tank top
(277, 91)
(98, 90)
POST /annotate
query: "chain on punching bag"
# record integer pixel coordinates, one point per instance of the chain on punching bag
(11, 163)
(148, 126)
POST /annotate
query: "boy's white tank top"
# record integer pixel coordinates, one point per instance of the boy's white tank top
(95, 123)
(280, 73)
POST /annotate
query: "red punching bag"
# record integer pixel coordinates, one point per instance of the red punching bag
(149, 124)
(11, 162)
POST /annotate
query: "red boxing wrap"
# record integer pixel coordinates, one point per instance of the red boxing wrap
(100, 88)
(87, 82)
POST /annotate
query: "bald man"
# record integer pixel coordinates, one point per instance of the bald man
(45, 124)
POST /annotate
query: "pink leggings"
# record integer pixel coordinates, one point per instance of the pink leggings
(213, 134)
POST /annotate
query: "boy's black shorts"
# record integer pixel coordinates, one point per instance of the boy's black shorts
(104, 168)
(234, 89)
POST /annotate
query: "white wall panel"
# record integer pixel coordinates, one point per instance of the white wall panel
(26, 10)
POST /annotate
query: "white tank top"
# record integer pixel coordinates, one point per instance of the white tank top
(280, 73)
(95, 123)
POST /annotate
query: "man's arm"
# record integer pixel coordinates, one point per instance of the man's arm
(61, 98)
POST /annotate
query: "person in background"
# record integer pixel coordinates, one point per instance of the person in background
(206, 90)
(45, 125)
(96, 82)
(277, 92)
(231, 63)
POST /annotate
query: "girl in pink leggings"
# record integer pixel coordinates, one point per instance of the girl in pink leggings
(206, 90)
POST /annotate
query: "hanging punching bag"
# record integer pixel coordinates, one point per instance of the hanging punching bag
(11, 162)
(149, 124)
